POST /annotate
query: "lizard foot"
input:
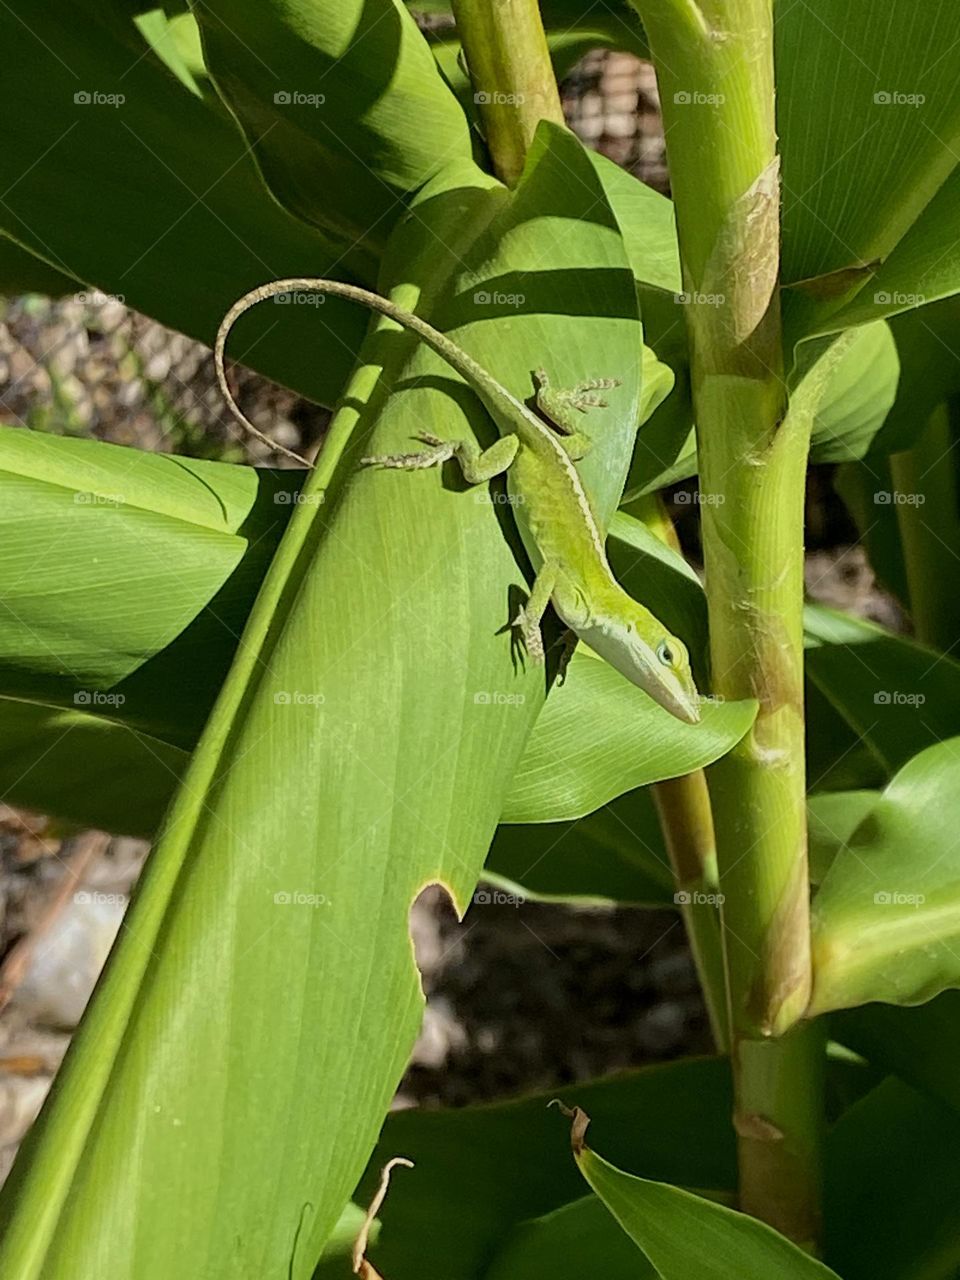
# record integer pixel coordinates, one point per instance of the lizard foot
(532, 635)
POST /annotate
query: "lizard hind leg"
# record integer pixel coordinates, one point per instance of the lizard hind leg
(560, 405)
(531, 614)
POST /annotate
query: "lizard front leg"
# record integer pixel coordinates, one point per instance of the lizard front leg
(478, 466)
(531, 614)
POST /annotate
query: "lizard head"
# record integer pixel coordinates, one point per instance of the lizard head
(631, 639)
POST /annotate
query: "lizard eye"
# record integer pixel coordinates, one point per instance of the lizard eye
(665, 653)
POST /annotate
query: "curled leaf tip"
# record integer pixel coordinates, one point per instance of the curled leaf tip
(361, 1267)
(578, 1123)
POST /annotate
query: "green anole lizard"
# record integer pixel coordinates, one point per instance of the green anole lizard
(554, 515)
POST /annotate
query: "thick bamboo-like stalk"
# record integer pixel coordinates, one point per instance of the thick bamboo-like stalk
(512, 77)
(715, 68)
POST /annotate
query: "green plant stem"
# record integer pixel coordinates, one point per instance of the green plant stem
(512, 76)
(929, 522)
(686, 820)
(715, 69)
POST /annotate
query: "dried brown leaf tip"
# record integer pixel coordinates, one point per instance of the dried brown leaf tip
(361, 1267)
(578, 1124)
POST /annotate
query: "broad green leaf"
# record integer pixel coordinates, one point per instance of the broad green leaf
(23, 272)
(85, 769)
(381, 618)
(480, 1171)
(126, 577)
(578, 1240)
(599, 736)
(891, 1209)
(682, 1235)
(832, 819)
(929, 372)
(893, 693)
(341, 104)
(615, 855)
(858, 394)
(887, 120)
(922, 269)
(112, 195)
(921, 1045)
(886, 919)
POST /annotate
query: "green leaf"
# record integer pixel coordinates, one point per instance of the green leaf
(578, 1240)
(858, 394)
(85, 769)
(383, 614)
(886, 919)
(681, 1234)
(921, 1045)
(599, 736)
(891, 1209)
(832, 819)
(160, 179)
(23, 272)
(480, 1171)
(128, 574)
(929, 372)
(922, 269)
(895, 694)
(887, 120)
(615, 855)
(341, 104)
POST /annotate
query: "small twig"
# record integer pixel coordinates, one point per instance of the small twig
(361, 1267)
